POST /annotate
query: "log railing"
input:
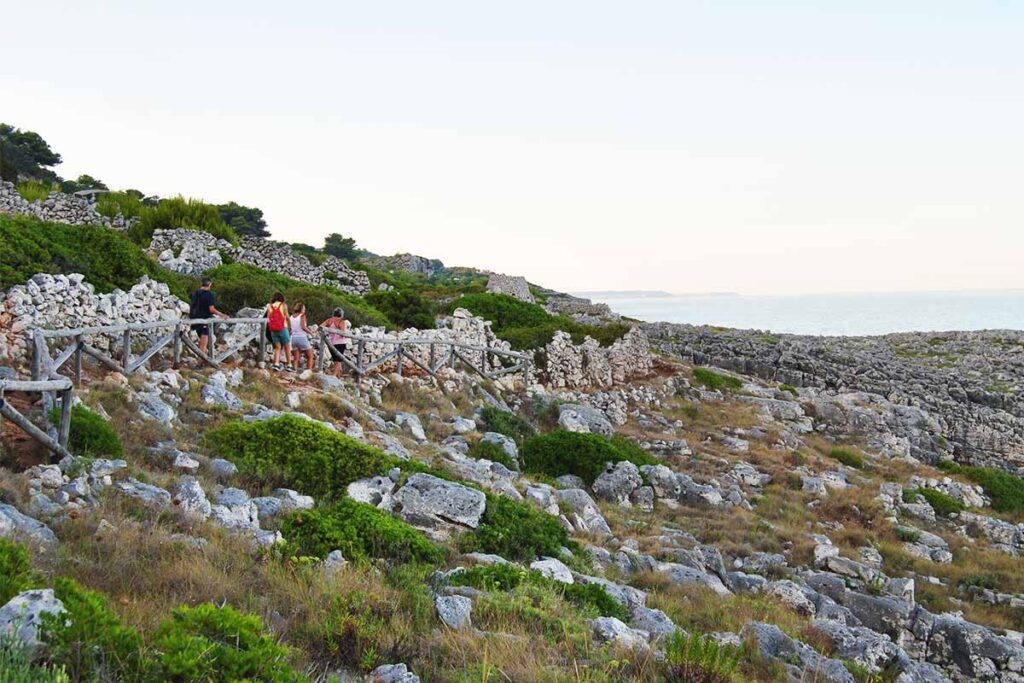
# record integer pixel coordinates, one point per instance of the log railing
(56, 439)
(364, 355)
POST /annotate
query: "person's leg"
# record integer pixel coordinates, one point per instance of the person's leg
(203, 340)
(288, 355)
(309, 359)
(277, 353)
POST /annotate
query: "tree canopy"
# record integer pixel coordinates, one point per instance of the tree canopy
(245, 220)
(340, 246)
(25, 153)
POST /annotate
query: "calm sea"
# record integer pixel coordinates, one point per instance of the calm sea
(835, 314)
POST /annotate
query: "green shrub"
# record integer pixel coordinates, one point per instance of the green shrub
(178, 212)
(404, 308)
(699, 658)
(948, 466)
(33, 190)
(219, 644)
(128, 204)
(488, 450)
(505, 577)
(90, 642)
(16, 665)
(847, 457)
(943, 504)
(507, 423)
(564, 452)
(90, 435)
(16, 573)
(716, 381)
(360, 531)
(516, 531)
(300, 454)
(105, 257)
(529, 326)
(907, 535)
(989, 581)
(789, 388)
(1005, 490)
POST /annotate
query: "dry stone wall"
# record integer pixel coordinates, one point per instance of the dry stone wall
(576, 366)
(68, 301)
(513, 285)
(193, 251)
(58, 208)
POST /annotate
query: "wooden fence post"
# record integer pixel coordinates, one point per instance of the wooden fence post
(79, 340)
(262, 360)
(433, 359)
(398, 359)
(211, 350)
(177, 344)
(65, 417)
(361, 346)
(321, 358)
(126, 350)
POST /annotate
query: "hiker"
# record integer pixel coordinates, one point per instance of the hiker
(278, 325)
(336, 327)
(300, 336)
(203, 305)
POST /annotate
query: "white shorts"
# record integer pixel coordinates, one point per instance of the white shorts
(300, 343)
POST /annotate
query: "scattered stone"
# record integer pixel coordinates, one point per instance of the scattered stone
(454, 610)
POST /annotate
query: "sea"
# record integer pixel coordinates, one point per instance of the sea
(831, 314)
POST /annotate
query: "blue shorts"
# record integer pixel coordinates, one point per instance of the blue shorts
(202, 330)
(283, 337)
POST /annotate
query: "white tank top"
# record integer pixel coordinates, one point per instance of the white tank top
(297, 331)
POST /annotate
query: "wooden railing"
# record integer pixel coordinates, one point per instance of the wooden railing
(429, 355)
(54, 439)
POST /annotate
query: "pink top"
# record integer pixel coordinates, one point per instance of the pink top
(336, 324)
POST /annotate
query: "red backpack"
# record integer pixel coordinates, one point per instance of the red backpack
(275, 318)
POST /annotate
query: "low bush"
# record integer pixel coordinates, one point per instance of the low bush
(128, 204)
(404, 308)
(516, 531)
(699, 659)
(360, 531)
(90, 642)
(529, 326)
(106, 258)
(33, 190)
(716, 381)
(944, 505)
(16, 665)
(300, 454)
(507, 423)
(907, 535)
(564, 452)
(90, 435)
(178, 212)
(488, 450)
(16, 573)
(989, 581)
(847, 457)
(1005, 490)
(789, 388)
(504, 577)
(220, 644)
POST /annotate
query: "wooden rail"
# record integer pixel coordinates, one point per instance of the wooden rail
(434, 354)
(54, 439)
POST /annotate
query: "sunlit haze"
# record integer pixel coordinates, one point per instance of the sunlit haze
(684, 146)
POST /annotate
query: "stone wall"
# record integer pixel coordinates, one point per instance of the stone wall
(194, 251)
(564, 365)
(406, 263)
(575, 306)
(67, 301)
(513, 285)
(58, 208)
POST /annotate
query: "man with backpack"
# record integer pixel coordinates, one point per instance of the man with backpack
(203, 306)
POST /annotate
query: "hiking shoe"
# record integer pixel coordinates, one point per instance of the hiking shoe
(291, 368)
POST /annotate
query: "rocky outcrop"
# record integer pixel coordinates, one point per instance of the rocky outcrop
(512, 285)
(406, 263)
(932, 395)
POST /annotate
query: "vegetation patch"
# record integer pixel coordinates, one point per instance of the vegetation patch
(360, 531)
(507, 423)
(179, 212)
(301, 454)
(516, 531)
(943, 504)
(90, 435)
(529, 326)
(16, 574)
(209, 643)
(405, 308)
(716, 381)
(488, 450)
(699, 658)
(1005, 490)
(585, 455)
(847, 457)
(592, 598)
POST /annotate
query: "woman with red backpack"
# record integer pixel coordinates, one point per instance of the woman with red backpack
(280, 332)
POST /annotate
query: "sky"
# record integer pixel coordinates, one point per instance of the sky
(687, 146)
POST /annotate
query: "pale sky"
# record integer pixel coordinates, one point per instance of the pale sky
(687, 146)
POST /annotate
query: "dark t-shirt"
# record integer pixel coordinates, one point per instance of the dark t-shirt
(202, 299)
